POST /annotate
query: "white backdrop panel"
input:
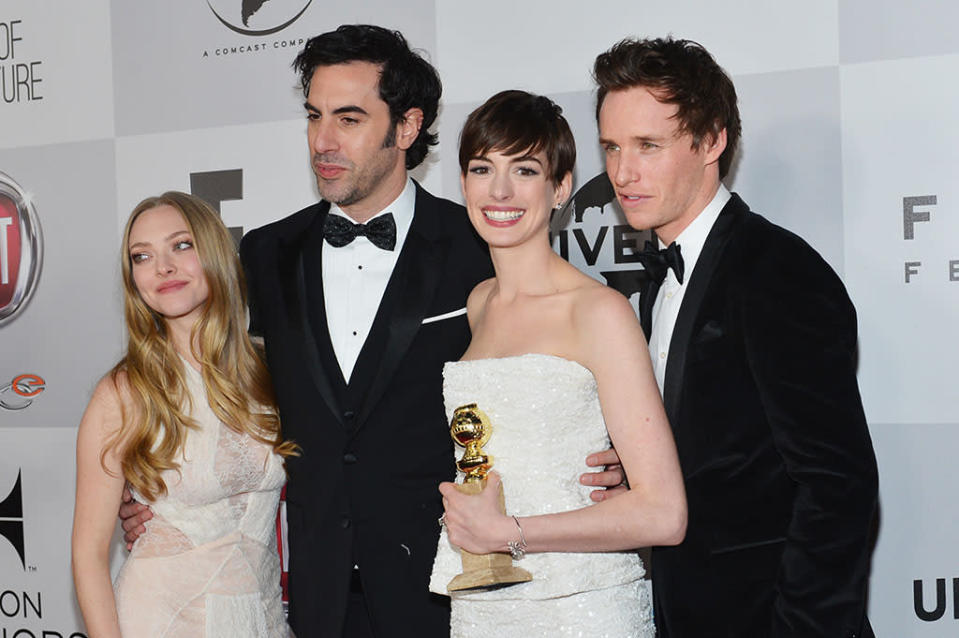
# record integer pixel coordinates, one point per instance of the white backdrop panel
(45, 460)
(544, 46)
(789, 167)
(70, 333)
(273, 157)
(178, 67)
(917, 538)
(55, 71)
(899, 141)
(888, 29)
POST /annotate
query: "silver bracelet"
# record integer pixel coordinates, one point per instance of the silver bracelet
(517, 549)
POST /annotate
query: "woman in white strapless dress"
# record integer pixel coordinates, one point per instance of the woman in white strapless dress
(559, 364)
(187, 419)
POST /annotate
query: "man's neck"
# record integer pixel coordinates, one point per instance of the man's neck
(668, 233)
(365, 209)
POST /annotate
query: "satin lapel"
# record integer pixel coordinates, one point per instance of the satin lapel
(303, 290)
(405, 303)
(699, 281)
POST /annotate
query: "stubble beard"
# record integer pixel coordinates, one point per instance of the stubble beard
(364, 181)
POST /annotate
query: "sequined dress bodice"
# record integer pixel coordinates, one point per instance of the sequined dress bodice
(546, 419)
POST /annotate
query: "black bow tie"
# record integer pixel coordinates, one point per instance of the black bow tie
(381, 231)
(657, 262)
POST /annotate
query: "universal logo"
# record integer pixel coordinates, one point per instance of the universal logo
(21, 249)
(20, 392)
(11, 520)
(939, 610)
(592, 221)
(257, 17)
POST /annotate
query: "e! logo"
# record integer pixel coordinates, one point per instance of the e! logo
(19, 393)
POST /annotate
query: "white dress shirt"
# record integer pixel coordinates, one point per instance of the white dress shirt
(354, 280)
(670, 297)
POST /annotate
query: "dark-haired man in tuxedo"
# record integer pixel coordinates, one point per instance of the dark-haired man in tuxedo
(360, 299)
(753, 340)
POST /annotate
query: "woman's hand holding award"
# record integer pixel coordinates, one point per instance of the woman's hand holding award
(471, 428)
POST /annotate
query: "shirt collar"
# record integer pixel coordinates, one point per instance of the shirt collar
(692, 239)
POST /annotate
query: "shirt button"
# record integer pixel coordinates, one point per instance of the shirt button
(345, 523)
(669, 295)
(349, 458)
(662, 355)
(348, 414)
(354, 333)
(359, 267)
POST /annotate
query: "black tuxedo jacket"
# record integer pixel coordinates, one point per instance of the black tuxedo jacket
(374, 451)
(761, 393)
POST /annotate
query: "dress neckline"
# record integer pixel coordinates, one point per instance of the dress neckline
(525, 355)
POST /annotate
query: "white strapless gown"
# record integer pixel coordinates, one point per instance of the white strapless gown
(208, 565)
(546, 418)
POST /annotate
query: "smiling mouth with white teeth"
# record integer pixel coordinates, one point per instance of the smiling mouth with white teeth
(503, 215)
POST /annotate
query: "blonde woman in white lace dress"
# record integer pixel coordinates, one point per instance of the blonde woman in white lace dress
(187, 420)
(559, 363)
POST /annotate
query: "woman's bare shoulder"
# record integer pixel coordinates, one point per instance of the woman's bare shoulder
(477, 298)
(597, 303)
(111, 399)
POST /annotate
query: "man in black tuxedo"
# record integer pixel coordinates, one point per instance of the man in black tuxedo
(360, 299)
(753, 341)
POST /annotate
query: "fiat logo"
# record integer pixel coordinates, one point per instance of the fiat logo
(21, 249)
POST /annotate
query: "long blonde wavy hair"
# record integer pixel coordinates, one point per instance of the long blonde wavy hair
(238, 386)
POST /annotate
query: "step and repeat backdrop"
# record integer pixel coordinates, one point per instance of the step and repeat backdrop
(850, 140)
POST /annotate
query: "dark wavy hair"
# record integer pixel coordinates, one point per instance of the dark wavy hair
(406, 79)
(514, 122)
(679, 72)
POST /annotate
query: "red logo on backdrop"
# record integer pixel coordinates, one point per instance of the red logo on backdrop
(21, 391)
(21, 249)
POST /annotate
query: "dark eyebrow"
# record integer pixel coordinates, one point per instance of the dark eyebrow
(350, 108)
(636, 138)
(526, 158)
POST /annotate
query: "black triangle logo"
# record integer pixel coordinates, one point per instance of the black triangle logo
(11, 519)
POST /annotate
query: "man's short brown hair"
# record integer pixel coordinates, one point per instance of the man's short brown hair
(679, 72)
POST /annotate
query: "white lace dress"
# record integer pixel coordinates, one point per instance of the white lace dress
(546, 418)
(208, 564)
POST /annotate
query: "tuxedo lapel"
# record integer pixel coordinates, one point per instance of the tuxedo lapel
(405, 303)
(699, 281)
(301, 274)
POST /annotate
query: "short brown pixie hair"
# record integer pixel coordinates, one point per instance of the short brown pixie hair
(679, 72)
(514, 122)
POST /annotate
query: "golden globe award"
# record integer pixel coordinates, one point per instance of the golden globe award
(471, 429)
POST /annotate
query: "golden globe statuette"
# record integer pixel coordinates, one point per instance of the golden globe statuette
(471, 428)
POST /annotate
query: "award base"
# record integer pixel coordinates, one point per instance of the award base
(486, 571)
